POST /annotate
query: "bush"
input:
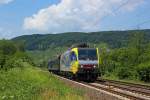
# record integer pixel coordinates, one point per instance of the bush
(24, 57)
(12, 63)
(12, 55)
(124, 73)
(144, 72)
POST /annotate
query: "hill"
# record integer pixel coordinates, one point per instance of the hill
(125, 55)
(115, 39)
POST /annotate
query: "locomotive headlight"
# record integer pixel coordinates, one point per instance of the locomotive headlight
(94, 66)
(81, 66)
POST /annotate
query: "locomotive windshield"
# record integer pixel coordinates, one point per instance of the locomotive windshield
(87, 54)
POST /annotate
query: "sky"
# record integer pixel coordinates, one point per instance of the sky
(25, 17)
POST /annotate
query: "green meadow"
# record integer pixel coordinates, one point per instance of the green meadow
(30, 83)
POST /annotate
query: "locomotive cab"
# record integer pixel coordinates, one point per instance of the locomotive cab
(88, 68)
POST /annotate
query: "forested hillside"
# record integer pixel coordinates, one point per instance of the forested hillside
(124, 54)
(115, 39)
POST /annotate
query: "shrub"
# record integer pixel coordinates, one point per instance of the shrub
(124, 73)
(144, 72)
(12, 55)
(12, 63)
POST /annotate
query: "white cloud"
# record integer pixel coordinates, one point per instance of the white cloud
(132, 4)
(5, 1)
(75, 15)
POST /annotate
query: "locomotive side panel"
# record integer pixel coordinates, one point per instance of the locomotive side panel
(65, 62)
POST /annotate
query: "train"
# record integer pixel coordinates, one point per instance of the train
(79, 62)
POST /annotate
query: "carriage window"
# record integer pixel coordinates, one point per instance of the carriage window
(73, 56)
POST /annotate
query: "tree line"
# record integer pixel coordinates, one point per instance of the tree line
(115, 39)
(130, 62)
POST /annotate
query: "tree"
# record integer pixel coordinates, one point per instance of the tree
(12, 54)
(137, 41)
(7, 47)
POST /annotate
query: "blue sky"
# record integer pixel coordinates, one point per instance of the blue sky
(18, 17)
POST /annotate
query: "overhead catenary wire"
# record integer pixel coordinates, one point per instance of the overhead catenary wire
(114, 11)
(137, 26)
(117, 9)
(142, 23)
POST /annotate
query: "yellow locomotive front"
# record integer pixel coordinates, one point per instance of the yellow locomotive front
(85, 63)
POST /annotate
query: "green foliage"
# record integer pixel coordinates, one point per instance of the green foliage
(12, 63)
(122, 62)
(125, 56)
(12, 55)
(144, 71)
(115, 39)
(41, 58)
(125, 73)
(34, 84)
(20, 81)
(7, 47)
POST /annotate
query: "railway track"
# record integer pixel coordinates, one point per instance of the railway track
(96, 92)
(129, 90)
(124, 89)
(137, 88)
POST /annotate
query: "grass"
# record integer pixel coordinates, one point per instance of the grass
(112, 77)
(30, 83)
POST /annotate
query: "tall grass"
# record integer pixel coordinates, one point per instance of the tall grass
(30, 83)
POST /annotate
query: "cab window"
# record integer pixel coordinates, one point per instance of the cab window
(73, 56)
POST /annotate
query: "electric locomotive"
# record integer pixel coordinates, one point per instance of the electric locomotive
(79, 62)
